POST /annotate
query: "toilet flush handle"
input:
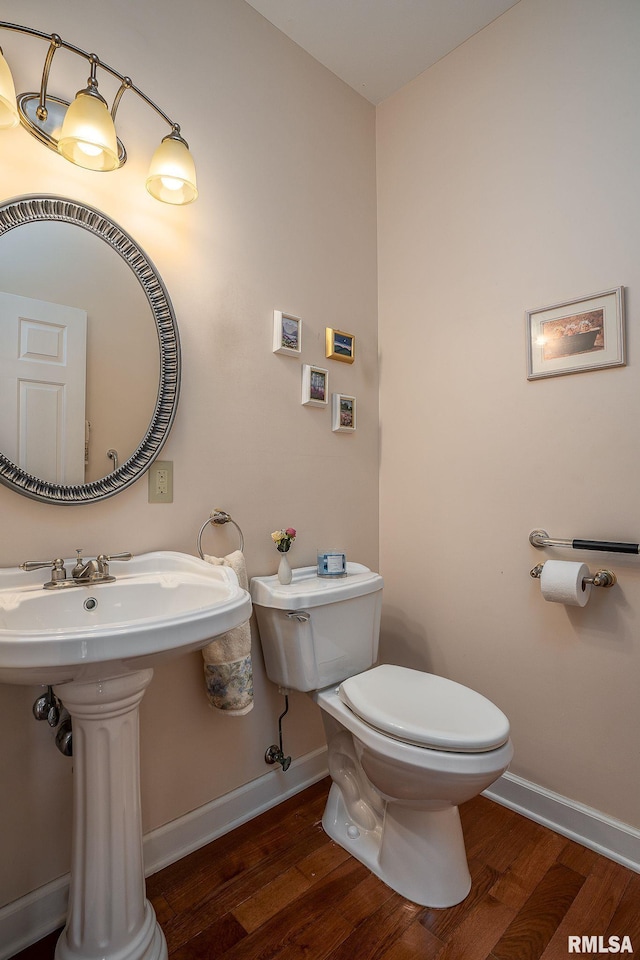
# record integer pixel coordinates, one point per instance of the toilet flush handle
(300, 615)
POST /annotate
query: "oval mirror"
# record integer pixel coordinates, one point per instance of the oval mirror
(89, 353)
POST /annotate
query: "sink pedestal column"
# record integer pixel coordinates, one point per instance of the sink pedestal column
(109, 916)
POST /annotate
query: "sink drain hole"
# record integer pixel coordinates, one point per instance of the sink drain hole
(90, 604)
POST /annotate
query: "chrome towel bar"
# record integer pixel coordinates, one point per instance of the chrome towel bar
(540, 538)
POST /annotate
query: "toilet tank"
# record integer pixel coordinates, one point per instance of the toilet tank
(318, 631)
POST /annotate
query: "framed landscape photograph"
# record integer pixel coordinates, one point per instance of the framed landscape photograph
(343, 413)
(340, 345)
(287, 334)
(315, 386)
(576, 335)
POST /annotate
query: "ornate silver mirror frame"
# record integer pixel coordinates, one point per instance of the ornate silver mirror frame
(21, 210)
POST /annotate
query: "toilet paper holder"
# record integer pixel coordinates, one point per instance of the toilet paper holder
(601, 578)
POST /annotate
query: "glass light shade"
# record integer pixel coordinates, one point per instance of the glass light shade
(88, 136)
(9, 116)
(172, 173)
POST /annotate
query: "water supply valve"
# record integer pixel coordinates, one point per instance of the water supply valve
(274, 754)
(47, 707)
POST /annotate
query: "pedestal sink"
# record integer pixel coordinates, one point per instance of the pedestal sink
(98, 644)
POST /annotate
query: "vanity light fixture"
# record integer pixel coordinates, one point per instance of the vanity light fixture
(84, 132)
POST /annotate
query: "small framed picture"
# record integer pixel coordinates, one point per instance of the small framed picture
(287, 334)
(315, 386)
(576, 335)
(340, 345)
(343, 413)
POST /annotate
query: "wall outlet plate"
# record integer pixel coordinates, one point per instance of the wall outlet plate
(161, 481)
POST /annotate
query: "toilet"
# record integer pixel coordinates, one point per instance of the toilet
(405, 748)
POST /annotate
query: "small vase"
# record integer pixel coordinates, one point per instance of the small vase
(284, 570)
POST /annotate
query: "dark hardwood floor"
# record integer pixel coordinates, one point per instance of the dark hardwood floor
(278, 887)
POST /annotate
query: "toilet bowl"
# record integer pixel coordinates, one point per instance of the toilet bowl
(407, 830)
(405, 748)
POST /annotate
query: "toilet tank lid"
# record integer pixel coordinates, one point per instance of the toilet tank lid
(425, 709)
(307, 589)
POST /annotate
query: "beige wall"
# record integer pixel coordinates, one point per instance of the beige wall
(507, 181)
(286, 219)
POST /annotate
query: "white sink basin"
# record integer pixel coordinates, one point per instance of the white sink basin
(161, 604)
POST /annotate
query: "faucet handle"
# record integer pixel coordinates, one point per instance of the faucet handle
(58, 574)
(30, 565)
(104, 560)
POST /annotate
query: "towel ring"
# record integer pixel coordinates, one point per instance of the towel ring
(219, 517)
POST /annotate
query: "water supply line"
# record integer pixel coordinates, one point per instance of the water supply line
(275, 753)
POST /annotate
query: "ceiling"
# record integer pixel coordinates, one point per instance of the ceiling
(376, 46)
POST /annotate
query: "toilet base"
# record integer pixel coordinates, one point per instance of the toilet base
(418, 853)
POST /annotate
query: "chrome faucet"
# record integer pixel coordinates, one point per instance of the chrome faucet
(85, 572)
(96, 571)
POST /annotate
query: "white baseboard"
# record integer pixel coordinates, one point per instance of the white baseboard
(180, 837)
(33, 916)
(613, 839)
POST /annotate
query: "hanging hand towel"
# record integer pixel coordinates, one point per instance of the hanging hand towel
(227, 659)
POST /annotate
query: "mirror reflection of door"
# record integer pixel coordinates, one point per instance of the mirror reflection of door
(42, 387)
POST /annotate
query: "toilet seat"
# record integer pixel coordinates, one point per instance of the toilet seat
(425, 710)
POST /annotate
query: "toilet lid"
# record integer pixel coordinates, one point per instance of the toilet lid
(424, 709)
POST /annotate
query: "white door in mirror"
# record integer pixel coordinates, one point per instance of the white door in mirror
(43, 350)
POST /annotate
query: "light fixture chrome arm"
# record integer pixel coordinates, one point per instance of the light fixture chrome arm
(56, 42)
(126, 84)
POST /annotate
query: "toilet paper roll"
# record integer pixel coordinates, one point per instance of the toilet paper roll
(561, 582)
